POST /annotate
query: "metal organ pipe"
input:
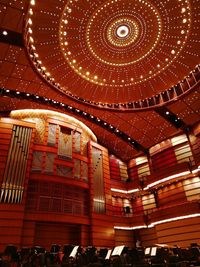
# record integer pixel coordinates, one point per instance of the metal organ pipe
(16, 165)
(15, 171)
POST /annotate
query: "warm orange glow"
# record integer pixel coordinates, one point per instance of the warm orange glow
(130, 228)
(27, 114)
(167, 179)
(125, 191)
(158, 222)
(174, 219)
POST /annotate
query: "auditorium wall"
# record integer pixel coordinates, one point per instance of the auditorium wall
(59, 185)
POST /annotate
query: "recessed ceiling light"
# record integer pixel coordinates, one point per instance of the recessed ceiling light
(30, 21)
(183, 10)
(5, 33)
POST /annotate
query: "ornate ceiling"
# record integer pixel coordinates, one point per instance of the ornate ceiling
(114, 51)
(111, 64)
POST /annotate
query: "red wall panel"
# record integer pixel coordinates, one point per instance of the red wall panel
(56, 233)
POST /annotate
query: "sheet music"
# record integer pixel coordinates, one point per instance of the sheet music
(74, 251)
(147, 251)
(108, 254)
(117, 250)
(153, 251)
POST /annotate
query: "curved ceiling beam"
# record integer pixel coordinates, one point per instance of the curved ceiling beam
(64, 107)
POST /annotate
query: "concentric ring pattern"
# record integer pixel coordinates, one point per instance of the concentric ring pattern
(115, 50)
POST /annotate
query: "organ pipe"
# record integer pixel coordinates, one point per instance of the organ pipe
(26, 153)
(15, 170)
(99, 197)
(16, 165)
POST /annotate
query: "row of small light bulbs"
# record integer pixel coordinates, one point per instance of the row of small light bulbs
(86, 115)
(136, 104)
(120, 106)
(86, 75)
(32, 47)
(157, 39)
(43, 69)
(94, 79)
(139, 104)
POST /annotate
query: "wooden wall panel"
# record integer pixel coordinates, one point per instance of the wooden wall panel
(174, 211)
(28, 234)
(181, 233)
(195, 145)
(148, 237)
(139, 170)
(56, 233)
(11, 223)
(124, 237)
(123, 171)
(118, 169)
(184, 153)
(171, 194)
(197, 152)
(85, 235)
(192, 188)
(163, 159)
(114, 168)
(148, 202)
(137, 205)
(102, 231)
(133, 174)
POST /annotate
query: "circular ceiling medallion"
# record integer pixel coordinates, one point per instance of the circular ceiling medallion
(114, 50)
(116, 35)
(122, 31)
